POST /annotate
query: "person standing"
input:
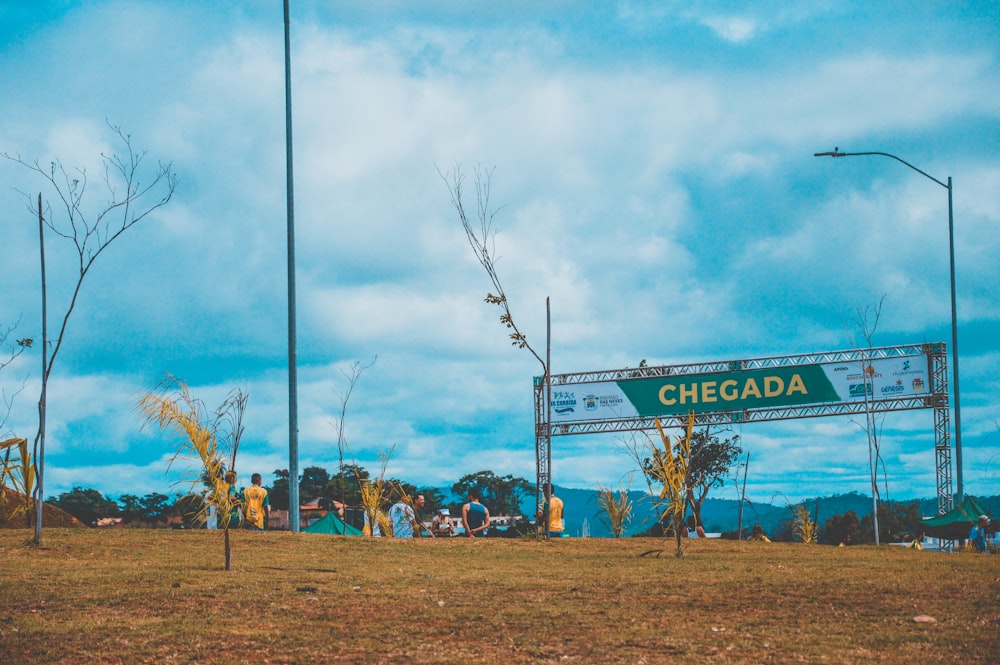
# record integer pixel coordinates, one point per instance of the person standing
(404, 518)
(256, 504)
(233, 498)
(368, 530)
(551, 514)
(977, 536)
(475, 516)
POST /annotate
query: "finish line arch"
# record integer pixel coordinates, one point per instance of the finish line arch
(727, 392)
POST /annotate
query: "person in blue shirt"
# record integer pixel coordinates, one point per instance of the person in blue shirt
(977, 536)
(475, 516)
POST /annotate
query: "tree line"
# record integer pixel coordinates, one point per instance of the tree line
(897, 523)
(503, 495)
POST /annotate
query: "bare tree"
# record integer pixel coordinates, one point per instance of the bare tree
(866, 323)
(481, 235)
(352, 376)
(133, 193)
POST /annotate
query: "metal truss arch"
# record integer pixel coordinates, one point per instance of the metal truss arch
(935, 397)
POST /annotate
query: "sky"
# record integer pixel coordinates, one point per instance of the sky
(652, 174)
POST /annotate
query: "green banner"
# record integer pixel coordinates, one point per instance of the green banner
(730, 391)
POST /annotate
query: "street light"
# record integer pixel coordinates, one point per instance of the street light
(293, 381)
(954, 317)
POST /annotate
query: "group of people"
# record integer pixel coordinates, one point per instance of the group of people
(406, 524)
(475, 518)
(253, 502)
(255, 507)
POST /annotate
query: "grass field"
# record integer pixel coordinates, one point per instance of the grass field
(144, 596)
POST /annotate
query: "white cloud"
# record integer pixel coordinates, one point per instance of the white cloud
(737, 29)
(666, 201)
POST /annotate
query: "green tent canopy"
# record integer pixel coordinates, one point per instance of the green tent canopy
(332, 525)
(957, 522)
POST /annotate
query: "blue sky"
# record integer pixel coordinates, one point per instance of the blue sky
(655, 166)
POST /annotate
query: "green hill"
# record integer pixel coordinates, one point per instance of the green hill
(719, 515)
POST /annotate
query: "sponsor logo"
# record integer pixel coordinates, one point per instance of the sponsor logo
(611, 400)
(918, 385)
(563, 402)
(595, 402)
(862, 377)
(894, 389)
(908, 368)
(860, 389)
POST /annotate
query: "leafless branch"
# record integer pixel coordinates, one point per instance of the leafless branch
(131, 200)
(229, 422)
(481, 235)
(352, 375)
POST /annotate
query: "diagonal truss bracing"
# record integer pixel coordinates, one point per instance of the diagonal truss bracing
(854, 355)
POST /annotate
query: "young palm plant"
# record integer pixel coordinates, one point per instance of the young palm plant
(18, 473)
(617, 509)
(804, 525)
(372, 493)
(373, 496)
(670, 469)
(208, 440)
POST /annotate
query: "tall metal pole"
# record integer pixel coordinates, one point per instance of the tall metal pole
(293, 417)
(960, 493)
(550, 490)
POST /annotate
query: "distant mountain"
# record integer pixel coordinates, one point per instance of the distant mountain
(580, 505)
(721, 515)
(718, 515)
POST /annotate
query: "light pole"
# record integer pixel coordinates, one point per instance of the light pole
(954, 316)
(293, 400)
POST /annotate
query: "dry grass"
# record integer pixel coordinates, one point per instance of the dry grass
(140, 596)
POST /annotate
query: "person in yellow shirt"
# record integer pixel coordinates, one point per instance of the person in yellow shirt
(551, 514)
(757, 533)
(256, 506)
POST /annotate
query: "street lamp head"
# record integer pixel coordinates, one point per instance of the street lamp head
(836, 153)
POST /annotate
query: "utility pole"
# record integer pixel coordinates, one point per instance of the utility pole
(293, 398)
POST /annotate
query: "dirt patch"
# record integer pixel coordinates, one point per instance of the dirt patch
(51, 515)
